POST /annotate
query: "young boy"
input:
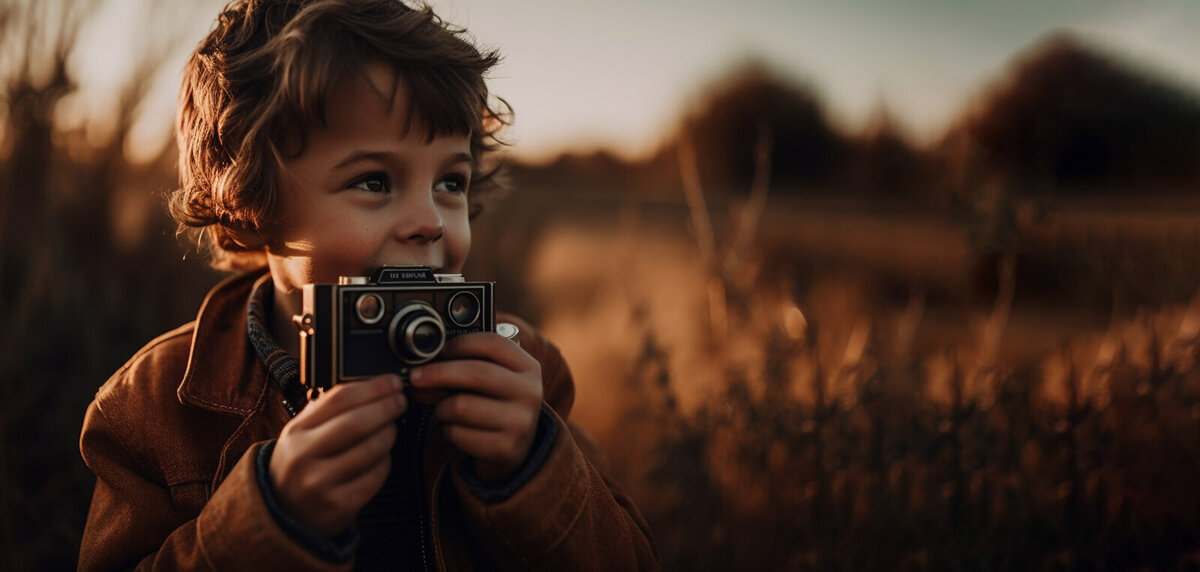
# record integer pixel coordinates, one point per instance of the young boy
(318, 139)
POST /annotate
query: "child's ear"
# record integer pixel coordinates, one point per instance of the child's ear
(247, 238)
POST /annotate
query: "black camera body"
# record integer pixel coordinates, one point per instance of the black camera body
(399, 317)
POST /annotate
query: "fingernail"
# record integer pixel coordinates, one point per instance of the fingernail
(414, 376)
(397, 384)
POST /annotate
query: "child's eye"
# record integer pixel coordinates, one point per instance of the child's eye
(371, 183)
(452, 184)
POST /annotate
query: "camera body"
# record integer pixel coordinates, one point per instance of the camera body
(397, 318)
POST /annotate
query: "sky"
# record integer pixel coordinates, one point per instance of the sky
(619, 74)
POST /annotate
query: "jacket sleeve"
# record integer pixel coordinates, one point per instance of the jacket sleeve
(137, 521)
(569, 515)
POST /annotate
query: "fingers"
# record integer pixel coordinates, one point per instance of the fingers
(491, 347)
(335, 455)
(466, 375)
(361, 489)
(489, 393)
(484, 413)
(355, 420)
(355, 426)
(346, 396)
(483, 363)
(357, 460)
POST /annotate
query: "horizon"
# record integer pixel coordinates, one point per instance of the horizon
(621, 75)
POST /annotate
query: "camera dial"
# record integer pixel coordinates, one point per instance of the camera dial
(416, 333)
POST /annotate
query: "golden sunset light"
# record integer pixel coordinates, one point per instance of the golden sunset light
(799, 284)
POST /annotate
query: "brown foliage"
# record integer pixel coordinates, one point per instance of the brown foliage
(82, 283)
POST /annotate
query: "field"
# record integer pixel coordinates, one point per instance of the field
(859, 406)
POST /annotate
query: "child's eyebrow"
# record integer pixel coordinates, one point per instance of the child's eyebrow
(384, 156)
(361, 156)
(459, 158)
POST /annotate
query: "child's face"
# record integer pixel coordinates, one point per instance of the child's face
(365, 192)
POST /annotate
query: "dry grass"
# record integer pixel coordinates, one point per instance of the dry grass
(826, 443)
(836, 396)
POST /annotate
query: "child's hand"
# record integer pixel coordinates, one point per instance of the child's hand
(495, 397)
(335, 455)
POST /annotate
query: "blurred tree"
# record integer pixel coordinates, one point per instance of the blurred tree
(885, 164)
(806, 148)
(1069, 116)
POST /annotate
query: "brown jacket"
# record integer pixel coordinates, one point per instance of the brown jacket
(172, 438)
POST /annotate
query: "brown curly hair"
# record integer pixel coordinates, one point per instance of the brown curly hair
(259, 81)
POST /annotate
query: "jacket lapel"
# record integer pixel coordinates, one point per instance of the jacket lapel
(224, 374)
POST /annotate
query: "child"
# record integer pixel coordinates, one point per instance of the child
(318, 139)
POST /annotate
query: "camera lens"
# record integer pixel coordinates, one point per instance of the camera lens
(463, 308)
(416, 333)
(425, 336)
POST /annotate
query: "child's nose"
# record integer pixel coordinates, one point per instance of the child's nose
(420, 222)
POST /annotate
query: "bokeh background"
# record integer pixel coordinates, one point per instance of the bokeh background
(845, 285)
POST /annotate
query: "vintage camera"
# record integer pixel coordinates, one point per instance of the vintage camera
(399, 317)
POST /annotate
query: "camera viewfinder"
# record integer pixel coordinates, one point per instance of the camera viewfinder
(369, 308)
(463, 309)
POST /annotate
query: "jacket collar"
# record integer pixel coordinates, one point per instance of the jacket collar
(224, 373)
